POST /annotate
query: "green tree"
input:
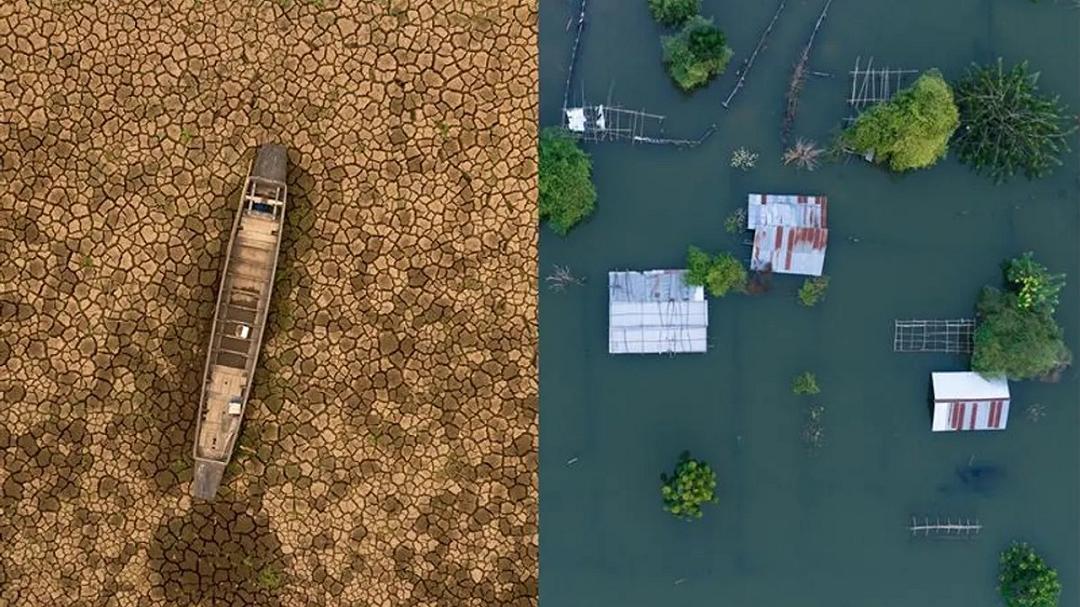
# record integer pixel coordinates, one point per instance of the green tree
(911, 130)
(696, 54)
(726, 274)
(1006, 126)
(567, 194)
(805, 384)
(692, 485)
(1025, 580)
(673, 12)
(698, 263)
(719, 274)
(1019, 342)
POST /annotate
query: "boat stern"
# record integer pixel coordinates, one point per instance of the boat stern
(206, 479)
(271, 163)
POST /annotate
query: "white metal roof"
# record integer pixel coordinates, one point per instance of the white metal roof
(655, 312)
(793, 210)
(968, 386)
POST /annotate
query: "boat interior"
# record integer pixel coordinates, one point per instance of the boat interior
(237, 333)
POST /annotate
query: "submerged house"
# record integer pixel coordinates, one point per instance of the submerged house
(655, 312)
(968, 401)
(790, 233)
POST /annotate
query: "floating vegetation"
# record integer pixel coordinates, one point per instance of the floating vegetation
(804, 155)
(1035, 412)
(814, 432)
(561, 278)
(805, 384)
(736, 221)
(743, 159)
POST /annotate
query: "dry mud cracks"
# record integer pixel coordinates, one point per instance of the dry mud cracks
(389, 453)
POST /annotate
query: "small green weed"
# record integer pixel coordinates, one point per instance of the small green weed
(805, 383)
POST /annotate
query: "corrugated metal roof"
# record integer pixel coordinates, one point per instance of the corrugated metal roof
(789, 250)
(954, 416)
(790, 233)
(794, 210)
(968, 386)
(655, 312)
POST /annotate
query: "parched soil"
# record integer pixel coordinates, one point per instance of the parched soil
(389, 452)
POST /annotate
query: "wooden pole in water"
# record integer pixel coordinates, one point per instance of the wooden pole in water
(573, 56)
(799, 76)
(750, 62)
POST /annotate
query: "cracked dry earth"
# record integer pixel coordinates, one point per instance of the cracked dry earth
(389, 451)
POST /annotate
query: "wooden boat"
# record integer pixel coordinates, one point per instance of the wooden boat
(240, 317)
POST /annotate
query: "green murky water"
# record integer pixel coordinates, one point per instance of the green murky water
(795, 528)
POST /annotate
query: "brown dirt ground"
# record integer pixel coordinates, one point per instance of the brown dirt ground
(389, 453)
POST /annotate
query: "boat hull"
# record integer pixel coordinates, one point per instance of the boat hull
(240, 317)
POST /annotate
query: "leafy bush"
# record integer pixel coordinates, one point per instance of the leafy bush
(719, 274)
(1025, 580)
(673, 12)
(1021, 343)
(1036, 288)
(911, 130)
(692, 485)
(696, 54)
(805, 383)
(1006, 126)
(813, 290)
(566, 191)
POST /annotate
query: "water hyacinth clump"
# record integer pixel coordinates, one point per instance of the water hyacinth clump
(805, 384)
(743, 159)
(692, 485)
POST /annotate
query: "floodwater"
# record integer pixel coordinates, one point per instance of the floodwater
(794, 526)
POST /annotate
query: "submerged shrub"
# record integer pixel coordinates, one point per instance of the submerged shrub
(1016, 334)
(813, 290)
(697, 54)
(692, 485)
(1019, 342)
(673, 12)
(719, 274)
(1025, 580)
(1006, 126)
(911, 130)
(567, 194)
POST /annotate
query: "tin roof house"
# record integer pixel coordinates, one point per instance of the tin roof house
(655, 312)
(968, 401)
(790, 233)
